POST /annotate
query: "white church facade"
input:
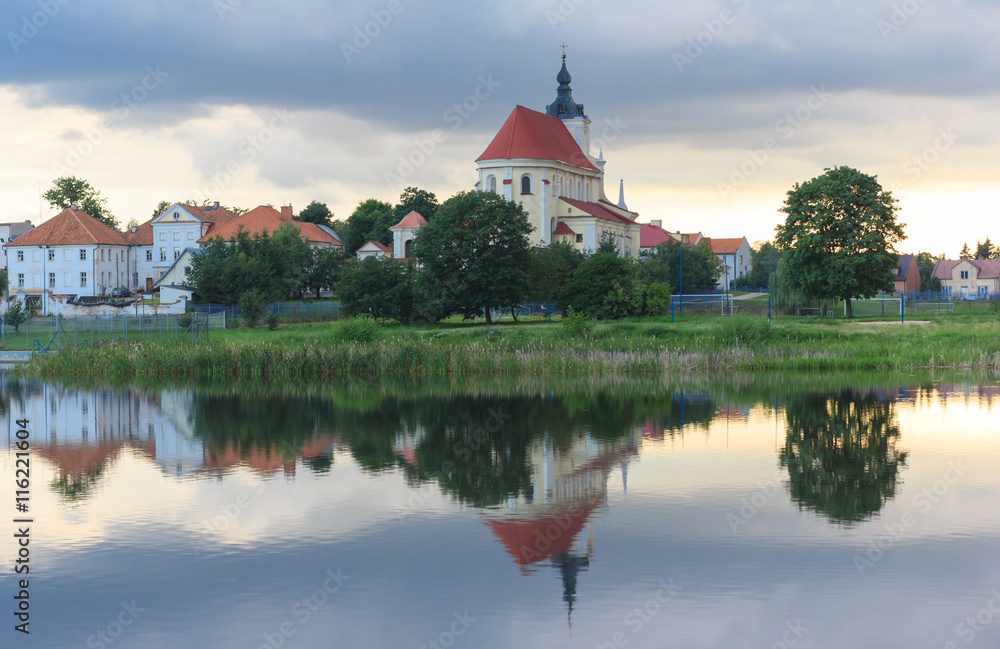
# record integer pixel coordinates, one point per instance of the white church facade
(544, 162)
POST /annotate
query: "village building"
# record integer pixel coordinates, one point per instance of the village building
(907, 275)
(11, 231)
(969, 279)
(543, 161)
(375, 250)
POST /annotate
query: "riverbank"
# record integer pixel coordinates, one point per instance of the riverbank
(646, 347)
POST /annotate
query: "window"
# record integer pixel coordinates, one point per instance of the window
(187, 271)
(20, 255)
(149, 255)
(964, 274)
(20, 280)
(83, 280)
(52, 280)
(177, 236)
(947, 290)
(579, 238)
(491, 184)
(526, 184)
(52, 255)
(83, 255)
(163, 236)
(983, 290)
(163, 254)
(190, 236)
(177, 253)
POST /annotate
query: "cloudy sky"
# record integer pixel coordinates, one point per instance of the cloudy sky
(709, 110)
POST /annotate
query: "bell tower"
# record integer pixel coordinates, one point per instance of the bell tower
(567, 110)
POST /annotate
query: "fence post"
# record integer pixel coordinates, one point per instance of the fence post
(125, 327)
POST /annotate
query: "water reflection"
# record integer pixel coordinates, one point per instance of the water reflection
(840, 452)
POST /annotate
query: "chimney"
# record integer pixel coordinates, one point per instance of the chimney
(286, 211)
(215, 205)
(656, 224)
(134, 229)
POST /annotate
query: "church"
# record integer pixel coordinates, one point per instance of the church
(544, 162)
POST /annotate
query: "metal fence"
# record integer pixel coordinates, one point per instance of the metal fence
(300, 312)
(52, 333)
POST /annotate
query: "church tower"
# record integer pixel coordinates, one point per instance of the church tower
(570, 112)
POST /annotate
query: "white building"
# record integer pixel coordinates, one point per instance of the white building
(11, 231)
(404, 233)
(375, 250)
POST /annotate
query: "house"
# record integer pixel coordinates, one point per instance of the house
(907, 275)
(404, 232)
(70, 254)
(11, 231)
(171, 283)
(735, 255)
(374, 249)
(969, 278)
(161, 240)
(265, 220)
(544, 162)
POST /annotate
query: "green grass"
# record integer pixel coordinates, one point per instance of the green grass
(633, 347)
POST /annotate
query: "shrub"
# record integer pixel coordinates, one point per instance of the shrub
(745, 329)
(356, 330)
(576, 324)
(272, 321)
(994, 306)
(15, 315)
(184, 321)
(251, 305)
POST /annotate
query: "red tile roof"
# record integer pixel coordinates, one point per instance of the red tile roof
(412, 220)
(988, 268)
(217, 216)
(380, 246)
(266, 219)
(532, 135)
(597, 210)
(562, 228)
(722, 246)
(520, 537)
(143, 235)
(651, 236)
(70, 227)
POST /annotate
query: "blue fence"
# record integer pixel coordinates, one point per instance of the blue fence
(296, 312)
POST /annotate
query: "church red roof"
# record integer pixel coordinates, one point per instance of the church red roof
(412, 220)
(71, 227)
(598, 210)
(562, 228)
(520, 537)
(532, 135)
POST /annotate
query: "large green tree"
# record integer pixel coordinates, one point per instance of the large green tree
(840, 236)
(474, 256)
(986, 249)
(608, 286)
(763, 261)
(70, 190)
(414, 199)
(316, 212)
(925, 264)
(370, 221)
(550, 268)
(701, 268)
(380, 288)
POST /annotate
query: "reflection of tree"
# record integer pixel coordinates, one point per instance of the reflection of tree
(74, 488)
(840, 451)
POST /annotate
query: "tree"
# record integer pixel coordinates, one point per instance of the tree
(925, 264)
(474, 256)
(132, 223)
(251, 307)
(325, 267)
(986, 249)
(369, 221)
(607, 244)
(608, 286)
(162, 207)
(15, 315)
(763, 260)
(416, 200)
(381, 288)
(316, 212)
(965, 254)
(549, 269)
(70, 190)
(222, 271)
(840, 236)
(701, 267)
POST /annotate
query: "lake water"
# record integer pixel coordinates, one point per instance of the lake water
(774, 511)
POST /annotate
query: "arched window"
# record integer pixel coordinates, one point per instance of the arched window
(552, 229)
(408, 248)
(579, 191)
(526, 184)
(559, 186)
(491, 183)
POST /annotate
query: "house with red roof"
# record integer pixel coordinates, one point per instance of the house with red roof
(375, 250)
(969, 278)
(544, 162)
(735, 255)
(907, 274)
(265, 220)
(70, 254)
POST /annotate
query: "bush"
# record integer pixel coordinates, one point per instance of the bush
(577, 325)
(15, 315)
(184, 321)
(356, 330)
(251, 305)
(272, 321)
(745, 329)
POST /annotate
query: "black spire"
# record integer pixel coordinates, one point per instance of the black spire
(564, 107)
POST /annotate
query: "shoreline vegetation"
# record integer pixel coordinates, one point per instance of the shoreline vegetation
(646, 347)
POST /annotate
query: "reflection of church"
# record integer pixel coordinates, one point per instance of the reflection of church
(551, 521)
